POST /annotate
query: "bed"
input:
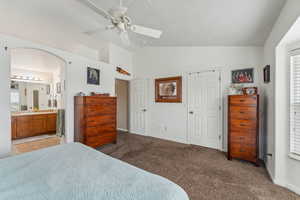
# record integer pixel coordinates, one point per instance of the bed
(77, 172)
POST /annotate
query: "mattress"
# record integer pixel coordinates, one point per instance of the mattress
(77, 172)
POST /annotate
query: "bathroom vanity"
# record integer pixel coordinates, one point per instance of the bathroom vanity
(28, 124)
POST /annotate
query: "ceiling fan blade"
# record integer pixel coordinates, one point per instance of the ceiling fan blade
(96, 9)
(146, 31)
(125, 38)
(101, 29)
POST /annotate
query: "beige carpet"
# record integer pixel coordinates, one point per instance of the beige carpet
(203, 173)
(35, 145)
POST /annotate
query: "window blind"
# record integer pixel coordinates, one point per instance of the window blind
(295, 104)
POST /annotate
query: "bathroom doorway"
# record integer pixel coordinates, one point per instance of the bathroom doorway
(37, 99)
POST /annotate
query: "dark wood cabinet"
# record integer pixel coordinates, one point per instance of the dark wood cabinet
(38, 124)
(95, 120)
(24, 126)
(51, 122)
(13, 127)
(243, 124)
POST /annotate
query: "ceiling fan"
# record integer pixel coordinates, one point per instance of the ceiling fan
(121, 22)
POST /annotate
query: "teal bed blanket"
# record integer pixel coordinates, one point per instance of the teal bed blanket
(77, 172)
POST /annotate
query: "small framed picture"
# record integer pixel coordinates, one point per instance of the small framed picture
(267, 78)
(14, 85)
(242, 76)
(250, 91)
(93, 76)
(58, 87)
(48, 89)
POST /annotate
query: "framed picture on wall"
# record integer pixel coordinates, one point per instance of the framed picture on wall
(58, 87)
(14, 85)
(267, 78)
(242, 76)
(48, 89)
(93, 76)
(168, 90)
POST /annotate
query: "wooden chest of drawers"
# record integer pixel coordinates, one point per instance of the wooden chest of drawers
(243, 123)
(95, 120)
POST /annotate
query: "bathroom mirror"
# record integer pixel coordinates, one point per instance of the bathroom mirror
(28, 96)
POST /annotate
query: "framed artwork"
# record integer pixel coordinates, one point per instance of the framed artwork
(14, 85)
(168, 90)
(242, 76)
(267, 78)
(93, 76)
(48, 89)
(58, 87)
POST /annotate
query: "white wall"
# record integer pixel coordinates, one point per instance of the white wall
(282, 169)
(120, 57)
(5, 136)
(75, 82)
(156, 62)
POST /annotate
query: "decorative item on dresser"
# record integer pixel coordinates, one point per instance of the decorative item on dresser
(95, 120)
(243, 123)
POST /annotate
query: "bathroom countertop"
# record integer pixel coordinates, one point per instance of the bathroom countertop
(32, 113)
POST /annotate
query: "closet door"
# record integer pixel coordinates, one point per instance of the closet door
(204, 109)
(138, 106)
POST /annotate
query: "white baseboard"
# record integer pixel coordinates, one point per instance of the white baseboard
(121, 129)
(291, 187)
(269, 173)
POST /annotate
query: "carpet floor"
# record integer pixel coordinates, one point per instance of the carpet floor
(205, 174)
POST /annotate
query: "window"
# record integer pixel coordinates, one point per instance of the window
(295, 104)
(14, 100)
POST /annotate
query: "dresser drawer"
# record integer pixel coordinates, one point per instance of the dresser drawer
(243, 151)
(95, 110)
(97, 141)
(243, 137)
(100, 101)
(241, 124)
(243, 100)
(243, 112)
(100, 120)
(100, 130)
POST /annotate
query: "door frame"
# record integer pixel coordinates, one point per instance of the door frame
(221, 111)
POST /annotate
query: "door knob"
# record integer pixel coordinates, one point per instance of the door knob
(191, 112)
(144, 110)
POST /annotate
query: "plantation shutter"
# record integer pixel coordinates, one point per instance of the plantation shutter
(295, 104)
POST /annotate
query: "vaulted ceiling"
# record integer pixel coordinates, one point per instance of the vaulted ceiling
(183, 22)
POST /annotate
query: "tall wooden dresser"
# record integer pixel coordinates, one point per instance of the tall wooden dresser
(243, 124)
(95, 120)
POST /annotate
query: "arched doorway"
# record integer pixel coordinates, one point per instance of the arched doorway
(37, 99)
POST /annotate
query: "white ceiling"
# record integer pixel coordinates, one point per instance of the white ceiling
(184, 22)
(35, 60)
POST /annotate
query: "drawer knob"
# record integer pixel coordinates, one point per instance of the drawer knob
(242, 125)
(242, 100)
(242, 112)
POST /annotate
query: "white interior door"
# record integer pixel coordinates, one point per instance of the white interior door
(204, 107)
(138, 106)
